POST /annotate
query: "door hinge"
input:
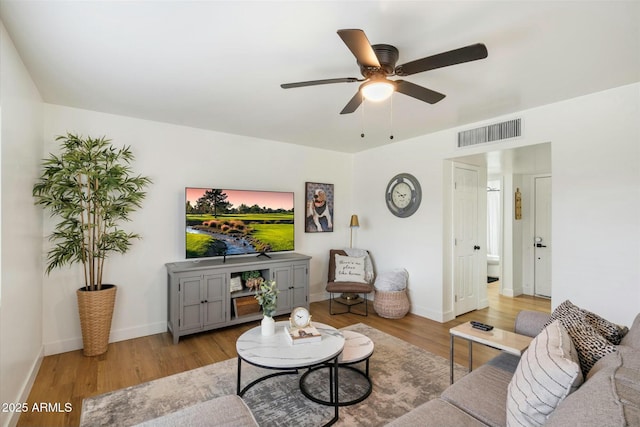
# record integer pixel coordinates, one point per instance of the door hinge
(455, 298)
(179, 287)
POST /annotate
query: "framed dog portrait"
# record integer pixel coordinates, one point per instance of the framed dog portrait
(318, 207)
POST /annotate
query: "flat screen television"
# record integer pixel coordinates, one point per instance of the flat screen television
(221, 222)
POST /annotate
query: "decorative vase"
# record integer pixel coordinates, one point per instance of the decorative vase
(96, 311)
(268, 326)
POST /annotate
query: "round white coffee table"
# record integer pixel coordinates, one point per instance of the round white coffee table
(276, 352)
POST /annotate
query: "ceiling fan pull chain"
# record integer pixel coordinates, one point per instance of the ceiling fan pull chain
(362, 120)
(391, 117)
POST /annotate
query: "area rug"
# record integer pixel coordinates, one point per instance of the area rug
(403, 375)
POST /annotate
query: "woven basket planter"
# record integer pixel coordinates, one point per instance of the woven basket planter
(391, 304)
(96, 311)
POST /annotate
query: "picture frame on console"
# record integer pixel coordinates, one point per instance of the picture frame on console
(319, 204)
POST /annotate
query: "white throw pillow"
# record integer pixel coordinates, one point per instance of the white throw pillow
(549, 370)
(349, 269)
(394, 280)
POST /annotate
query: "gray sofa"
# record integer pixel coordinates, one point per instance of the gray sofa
(609, 396)
(224, 411)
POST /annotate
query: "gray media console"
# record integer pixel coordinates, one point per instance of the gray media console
(201, 296)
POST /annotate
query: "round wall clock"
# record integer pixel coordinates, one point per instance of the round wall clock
(403, 195)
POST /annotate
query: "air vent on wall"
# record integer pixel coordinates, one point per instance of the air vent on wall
(490, 133)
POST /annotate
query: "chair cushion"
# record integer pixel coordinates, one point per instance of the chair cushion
(349, 287)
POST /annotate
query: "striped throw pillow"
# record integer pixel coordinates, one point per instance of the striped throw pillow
(548, 372)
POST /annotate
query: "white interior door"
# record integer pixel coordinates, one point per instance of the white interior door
(542, 241)
(466, 276)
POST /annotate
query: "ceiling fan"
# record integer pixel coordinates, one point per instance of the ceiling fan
(378, 61)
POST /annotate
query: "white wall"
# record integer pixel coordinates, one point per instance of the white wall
(596, 152)
(176, 157)
(414, 243)
(21, 118)
(595, 142)
(596, 202)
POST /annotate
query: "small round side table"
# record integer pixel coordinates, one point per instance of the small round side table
(357, 348)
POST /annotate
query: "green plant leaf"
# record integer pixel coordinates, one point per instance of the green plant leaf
(90, 186)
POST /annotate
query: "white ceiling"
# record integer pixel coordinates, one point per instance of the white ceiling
(218, 64)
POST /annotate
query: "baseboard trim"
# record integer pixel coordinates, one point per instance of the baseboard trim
(318, 297)
(508, 292)
(418, 311)
(437, 316)
(26, 388)
(116, 335)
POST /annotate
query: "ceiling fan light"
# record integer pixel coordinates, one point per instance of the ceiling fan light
(377, 90)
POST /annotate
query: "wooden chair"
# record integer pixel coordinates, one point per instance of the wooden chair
(349, 291)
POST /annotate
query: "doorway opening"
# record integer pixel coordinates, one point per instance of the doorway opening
(507, 240)
(494, 229)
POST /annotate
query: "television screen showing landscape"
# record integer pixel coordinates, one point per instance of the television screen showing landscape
(237, 222)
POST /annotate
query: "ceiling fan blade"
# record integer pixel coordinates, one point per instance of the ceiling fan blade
(353, 104)
(359, 45)
(320, 82)
(418, 92)
(452, 57)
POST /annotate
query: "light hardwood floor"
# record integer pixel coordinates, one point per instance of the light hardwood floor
(70, 377)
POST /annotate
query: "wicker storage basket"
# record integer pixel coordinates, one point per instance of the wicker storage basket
(96, 311)
(391, 304)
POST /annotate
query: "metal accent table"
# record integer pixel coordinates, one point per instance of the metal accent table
(277, 353)
(357, 348)
(509, 342)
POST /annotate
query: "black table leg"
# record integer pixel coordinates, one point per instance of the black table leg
(239, 368)
(335, 390)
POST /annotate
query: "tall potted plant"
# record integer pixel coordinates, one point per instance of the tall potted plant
(91, 187)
